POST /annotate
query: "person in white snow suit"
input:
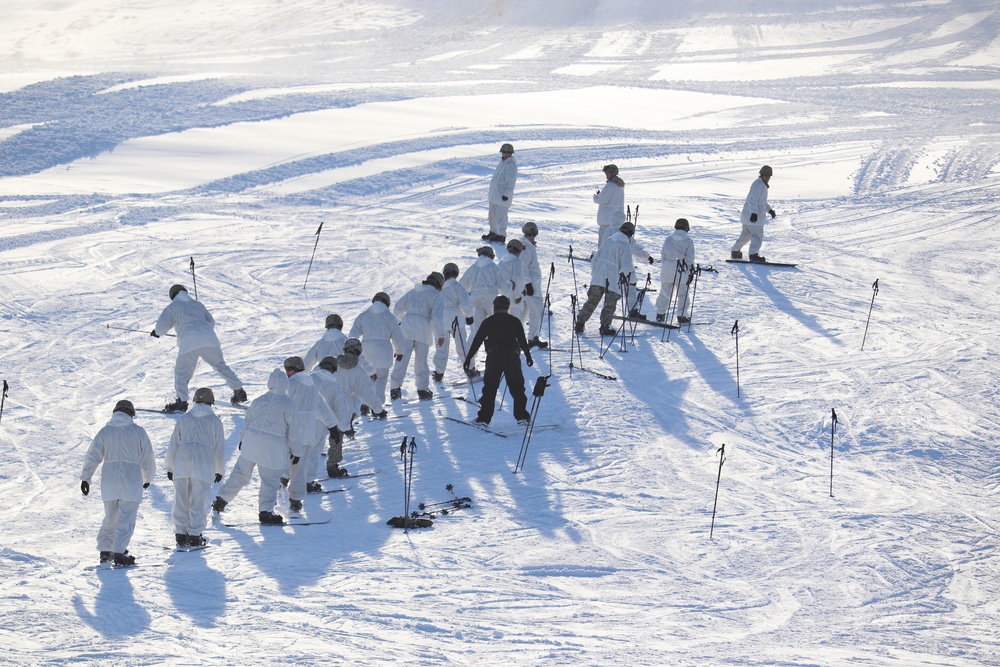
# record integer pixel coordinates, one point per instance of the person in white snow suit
(310, 428)
(357, 381)
(456, 314)
(265, 444)
(195, 460)
(677, 261)
(513, 276)
(482, 282)
(532, 305)
(610, 202)
(196, 340)
(753, 217)
(330, 345)
(342, 405)
(420, 312)
(379, 330)
(611, 264)
(126, 453)
(501, 194)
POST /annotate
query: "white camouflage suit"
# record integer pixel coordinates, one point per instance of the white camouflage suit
(127, 456)
(612, 260)
(265, 444)
(340, 402)
(457, 305)
(420, 313)
(310, 427)
(196, 339)
(610, 202)
(753, 232)
(502, 194)
(195, 454)
(378, 330)
(676, 247)
(482, 282)
(529, 311)
(330, 345)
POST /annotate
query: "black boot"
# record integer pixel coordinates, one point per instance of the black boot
(124, 559)
(107, 556)
(176, 406)
(270, 519)
(219, 504)
(196, 541)
(239, 396)
(182, 539)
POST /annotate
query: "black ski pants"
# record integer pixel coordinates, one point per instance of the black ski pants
(503, 364)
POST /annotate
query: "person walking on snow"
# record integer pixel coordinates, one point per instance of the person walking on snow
(501, 195)
(342, 405)
(126, 453)
(358, 382)
(420, 313)
(503, 335)
(310, 427)
(677, 260)
(330, 345)
(753, 217)
(482, 282)
(265, 444)
(378, 329)
(612, 262)
(195, 460)
(456, 314)
(532, 305)
(610, 202)
(196, 339)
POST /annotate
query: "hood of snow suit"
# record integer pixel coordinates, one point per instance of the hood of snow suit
(277, 382)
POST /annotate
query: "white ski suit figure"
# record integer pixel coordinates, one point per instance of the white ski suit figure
(358, 383)
(342, 405)
(330, 345)
(502, 194)
(379, 332)
(195, 455)
(124, 449)
(265, 444)
(310, 427)
(754, 215)
(529, 311)
(678, 247)
(610, 202)
(612, 260)
(457, 305)
(513, 277)
(482, 282)
(196, 339)
(420, 313)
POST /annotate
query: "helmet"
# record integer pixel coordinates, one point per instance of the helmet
(204, 395)
(682, 223)
(610, 169)
(529, 229)
(515, 246)
(175, 290)
(501, 303)
(450, 270)
(381, 296)
(766, 171)
(328, 364)
(334, 321)
(627, 228)
(486, 250)
(294, 364)
(436, 279)
(507, 148)
(124, 406)
(353, 346)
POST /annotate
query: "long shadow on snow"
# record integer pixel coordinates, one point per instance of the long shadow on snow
(196, 589)
(760, 276)
(116, 613)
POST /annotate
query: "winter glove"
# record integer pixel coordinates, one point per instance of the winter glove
(170, 475)
(218, 478)
(399, 357)
(374, 376)
(753, 217)
(651, 260)
(527, 358)
(85, 487)
(295, 460)
(440, 341)
(240, 446)
(771, 213)
(146, 485)
(504, 198)
(529, 289)
(469, 321)
(154, 334)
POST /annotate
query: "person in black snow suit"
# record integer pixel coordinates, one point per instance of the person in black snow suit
(503, 335)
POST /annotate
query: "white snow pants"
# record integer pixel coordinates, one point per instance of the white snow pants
(529, 311)
(119, 524)
(498, 219)
(421, 371)
(381, 380)
(270, 482)
(192, 500)
(304, 471)
(188, 361)
(752, 232)
(461, 347)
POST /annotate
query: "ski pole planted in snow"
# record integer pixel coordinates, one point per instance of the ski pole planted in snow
(3, 398)
(194, 281)
(833, 431)
(721, 453)
(736, 332)
(406, 521)
(315, 245)
(874, 292)
(540, 384)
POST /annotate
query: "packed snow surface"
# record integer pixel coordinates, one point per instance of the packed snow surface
(137, 138)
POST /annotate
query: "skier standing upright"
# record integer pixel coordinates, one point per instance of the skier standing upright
(196, 339)
(501, 194)
(310, 427)
(330, 345)
(482, 282)
(457, 312)
(532, 304)
(611, 265)
(753, 217)
(420, 311)
(610, 202)
(124, 449)
(677, 254)
(378, 329)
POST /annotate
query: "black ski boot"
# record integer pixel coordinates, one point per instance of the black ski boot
(760, 259)
(314, 487)
(438, 377)
(735, 254)
(107, 556)
(661, 318)
(375, 415)
(124, 559)
(270, 519)
(176, 406)
(537, 342)
(365, 409)
(196, 541)
(182, 539)
(239, 396)
(681, 319)
(395, 394)
(608, 331)
(425, 394)
(295, 505)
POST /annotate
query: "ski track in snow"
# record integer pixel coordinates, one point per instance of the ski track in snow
(880, 122)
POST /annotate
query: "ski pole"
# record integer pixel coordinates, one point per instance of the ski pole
(679, 271)
(736, 332)
(3, 398)
(315, 245)
(409, 481)
(721, 453)
(572, 265)
(692, 278)
(194, 281)
(540, 384)
(833, 430)
(460, 343)
(406, 476)
(547, 309)
(874, 292)
(115, 326)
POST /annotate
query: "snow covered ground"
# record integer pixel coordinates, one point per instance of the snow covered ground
(135, 137)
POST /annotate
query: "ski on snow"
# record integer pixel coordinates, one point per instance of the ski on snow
(747, 261)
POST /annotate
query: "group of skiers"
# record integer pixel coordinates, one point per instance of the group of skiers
(313, 400)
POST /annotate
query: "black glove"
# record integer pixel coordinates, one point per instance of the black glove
(85, 487)
(218, 478)
(771, 213)
(170, 475)
(295, 460)
(529, 289)
(504, 198)
(333, 431)
(146, 485)
(651, 260)
(527, 358)
(469, 321)
(240, 446)
(753, 217)
(154, 334)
